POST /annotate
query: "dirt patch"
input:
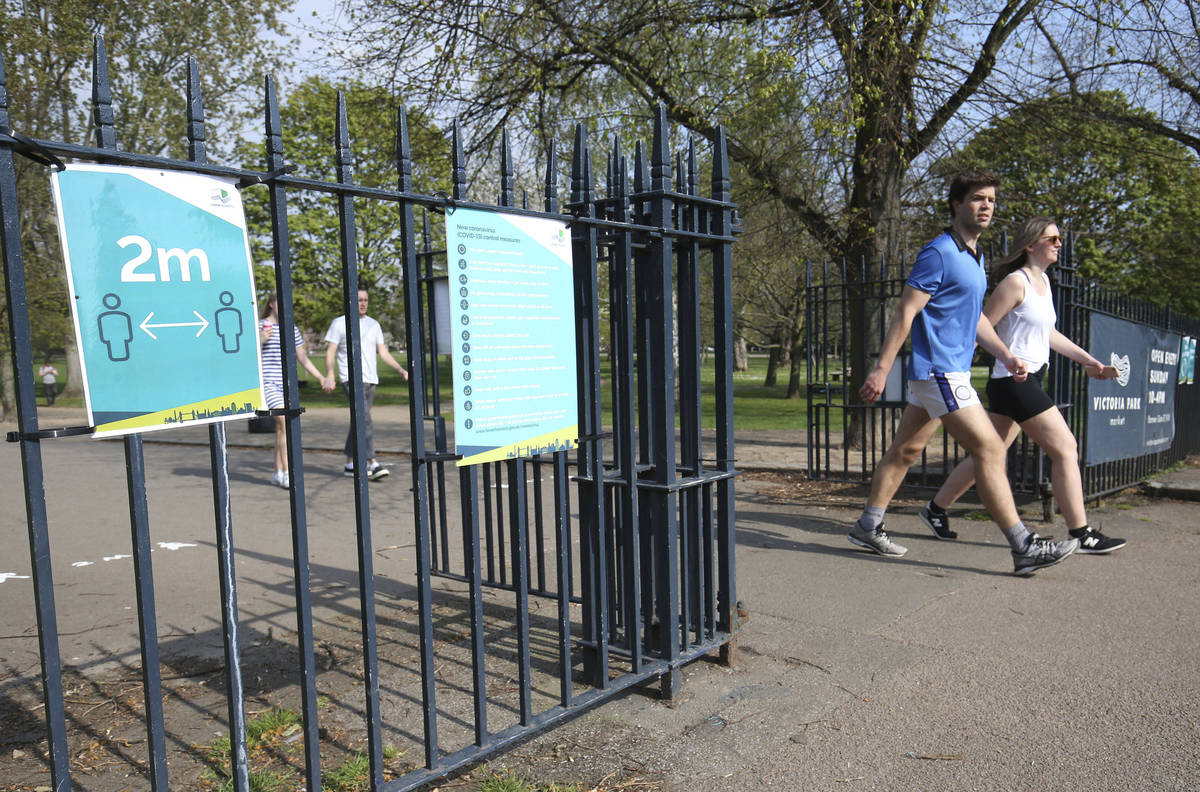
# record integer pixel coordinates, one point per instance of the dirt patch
(798, 489)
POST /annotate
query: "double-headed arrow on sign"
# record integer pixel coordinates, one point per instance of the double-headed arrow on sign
(202, 324)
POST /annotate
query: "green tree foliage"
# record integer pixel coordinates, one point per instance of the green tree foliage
(827, 104)
(307, 113)
(1132, 196)
(47, 51)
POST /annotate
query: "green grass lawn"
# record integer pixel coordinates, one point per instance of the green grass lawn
(754, 405)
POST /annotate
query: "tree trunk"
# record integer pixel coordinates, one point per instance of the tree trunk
(772, 367)
(798, 358)
(8, 388)
(798, 354)
(74, 387)
(874, 239)
(741, 356)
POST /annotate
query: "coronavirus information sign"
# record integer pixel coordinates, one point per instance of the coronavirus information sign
(162, 296)
(512, 324)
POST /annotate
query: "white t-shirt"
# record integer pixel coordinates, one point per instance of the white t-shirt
(370, 336)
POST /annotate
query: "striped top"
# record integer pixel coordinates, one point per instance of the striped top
(272, 355)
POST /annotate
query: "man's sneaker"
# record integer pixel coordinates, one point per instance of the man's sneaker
(280, 479)
(348, 470)
(938, 523)
(377, 471)
(1039, 553)
(876, 541)
(1092, 541)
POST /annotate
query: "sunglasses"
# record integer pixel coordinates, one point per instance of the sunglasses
(1052, 239)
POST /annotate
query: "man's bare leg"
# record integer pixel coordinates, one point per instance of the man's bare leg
(912, 435)
(914, 431)
(974, 432)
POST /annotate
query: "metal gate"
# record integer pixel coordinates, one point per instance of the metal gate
(649, 504)
(832, 455)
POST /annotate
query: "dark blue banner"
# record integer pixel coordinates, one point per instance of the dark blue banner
(1134, 414)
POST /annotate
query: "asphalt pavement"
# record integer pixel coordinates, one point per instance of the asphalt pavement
(940, 670)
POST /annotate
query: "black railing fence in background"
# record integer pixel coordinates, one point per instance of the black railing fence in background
(636, 531)
(832, 455)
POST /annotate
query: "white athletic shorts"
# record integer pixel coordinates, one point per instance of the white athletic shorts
(943, 393)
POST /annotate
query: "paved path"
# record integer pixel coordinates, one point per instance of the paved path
(936, 671)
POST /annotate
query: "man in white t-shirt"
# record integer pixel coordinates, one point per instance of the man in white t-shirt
(49, 375)
(370, 336)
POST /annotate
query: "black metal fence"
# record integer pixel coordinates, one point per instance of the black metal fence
(652, 515)
(834, 456)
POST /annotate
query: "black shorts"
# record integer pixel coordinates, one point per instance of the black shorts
(1019, 400)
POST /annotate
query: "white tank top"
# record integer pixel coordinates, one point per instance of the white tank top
(1026, 328)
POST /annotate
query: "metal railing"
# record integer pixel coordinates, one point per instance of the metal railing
(653, 513)
(833, 456)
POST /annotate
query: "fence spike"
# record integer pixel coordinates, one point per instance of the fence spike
(609, 165)
(102, 109)
(551, 182)
(342, 141)
(459, 166)
(588, 178)
(506, 171)
(660, 153)
(720, 167)
(274, 128)
(692, 186)
(616, 181)
(403, 151)
(578, 164)
(195, 114)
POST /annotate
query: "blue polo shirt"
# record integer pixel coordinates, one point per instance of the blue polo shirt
(943, 333)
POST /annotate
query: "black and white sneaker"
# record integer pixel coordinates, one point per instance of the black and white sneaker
(938, 523)
(1095, 543)
(1041, 552)
(377, 471)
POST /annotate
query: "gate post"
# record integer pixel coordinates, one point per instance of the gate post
(592, 511)
(663, 501)
(722, 225)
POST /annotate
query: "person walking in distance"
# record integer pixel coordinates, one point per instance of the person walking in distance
(372, 345)
(941, 305)
(49, 375)
(272, 368)
(1022, 310)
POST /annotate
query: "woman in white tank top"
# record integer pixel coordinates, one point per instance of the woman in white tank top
(1022, 311)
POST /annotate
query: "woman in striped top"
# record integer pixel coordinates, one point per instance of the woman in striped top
(272, 369)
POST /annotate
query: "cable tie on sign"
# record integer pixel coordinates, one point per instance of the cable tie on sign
(584, 438)
(290, 413)
(448, 205)
(31, 149)
(264, 178)
(48, 434)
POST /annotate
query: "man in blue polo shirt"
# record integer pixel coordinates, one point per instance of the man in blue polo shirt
(942, 306)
